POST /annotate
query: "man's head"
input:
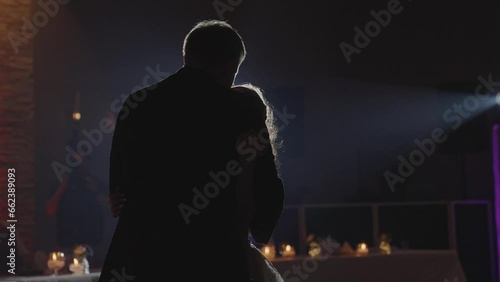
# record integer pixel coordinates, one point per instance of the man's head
(216, 47)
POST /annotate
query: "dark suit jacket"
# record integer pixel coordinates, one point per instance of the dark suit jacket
(174, 156)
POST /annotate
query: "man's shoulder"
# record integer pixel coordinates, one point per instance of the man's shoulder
(140, 94)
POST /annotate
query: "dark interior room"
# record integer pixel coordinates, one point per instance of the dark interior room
(374, 128)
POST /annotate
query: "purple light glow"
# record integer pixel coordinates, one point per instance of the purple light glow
(496, 177)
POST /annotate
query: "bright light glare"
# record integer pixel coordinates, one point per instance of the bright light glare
(77, 116)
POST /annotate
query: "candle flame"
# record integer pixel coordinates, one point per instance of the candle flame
(288, 248)
(54, 256)
(77, 116)
(267, 250)
(363, 246)
(75, 261)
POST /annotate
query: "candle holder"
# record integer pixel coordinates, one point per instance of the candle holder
(80, 254)
(362, 249)
(269, 251)
(287, 250)
(56, 262)
(76, 267)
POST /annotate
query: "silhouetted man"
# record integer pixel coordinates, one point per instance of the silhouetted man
(178, 149)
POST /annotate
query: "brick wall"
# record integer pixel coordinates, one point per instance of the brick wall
(17, 110)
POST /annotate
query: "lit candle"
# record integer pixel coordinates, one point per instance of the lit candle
(76, 267)
(288, 251)
(76, 111)
(56, 262)
(269, 252)
(362, 249)
(77, 116)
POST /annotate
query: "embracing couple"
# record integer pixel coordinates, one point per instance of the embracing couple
(194, 172)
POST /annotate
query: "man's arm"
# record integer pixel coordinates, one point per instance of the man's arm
(116, 198)
(114, 161)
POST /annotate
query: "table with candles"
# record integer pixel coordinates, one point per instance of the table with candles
(360, 265)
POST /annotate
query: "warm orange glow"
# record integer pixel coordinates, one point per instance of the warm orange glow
(267, 250)
(362, 249)
(288, 248)
(54, 256)
(75, 261)
(77, 116)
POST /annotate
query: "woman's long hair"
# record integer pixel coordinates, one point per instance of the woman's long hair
(275, 142)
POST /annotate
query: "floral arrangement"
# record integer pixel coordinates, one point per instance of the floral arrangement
(80, 253)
